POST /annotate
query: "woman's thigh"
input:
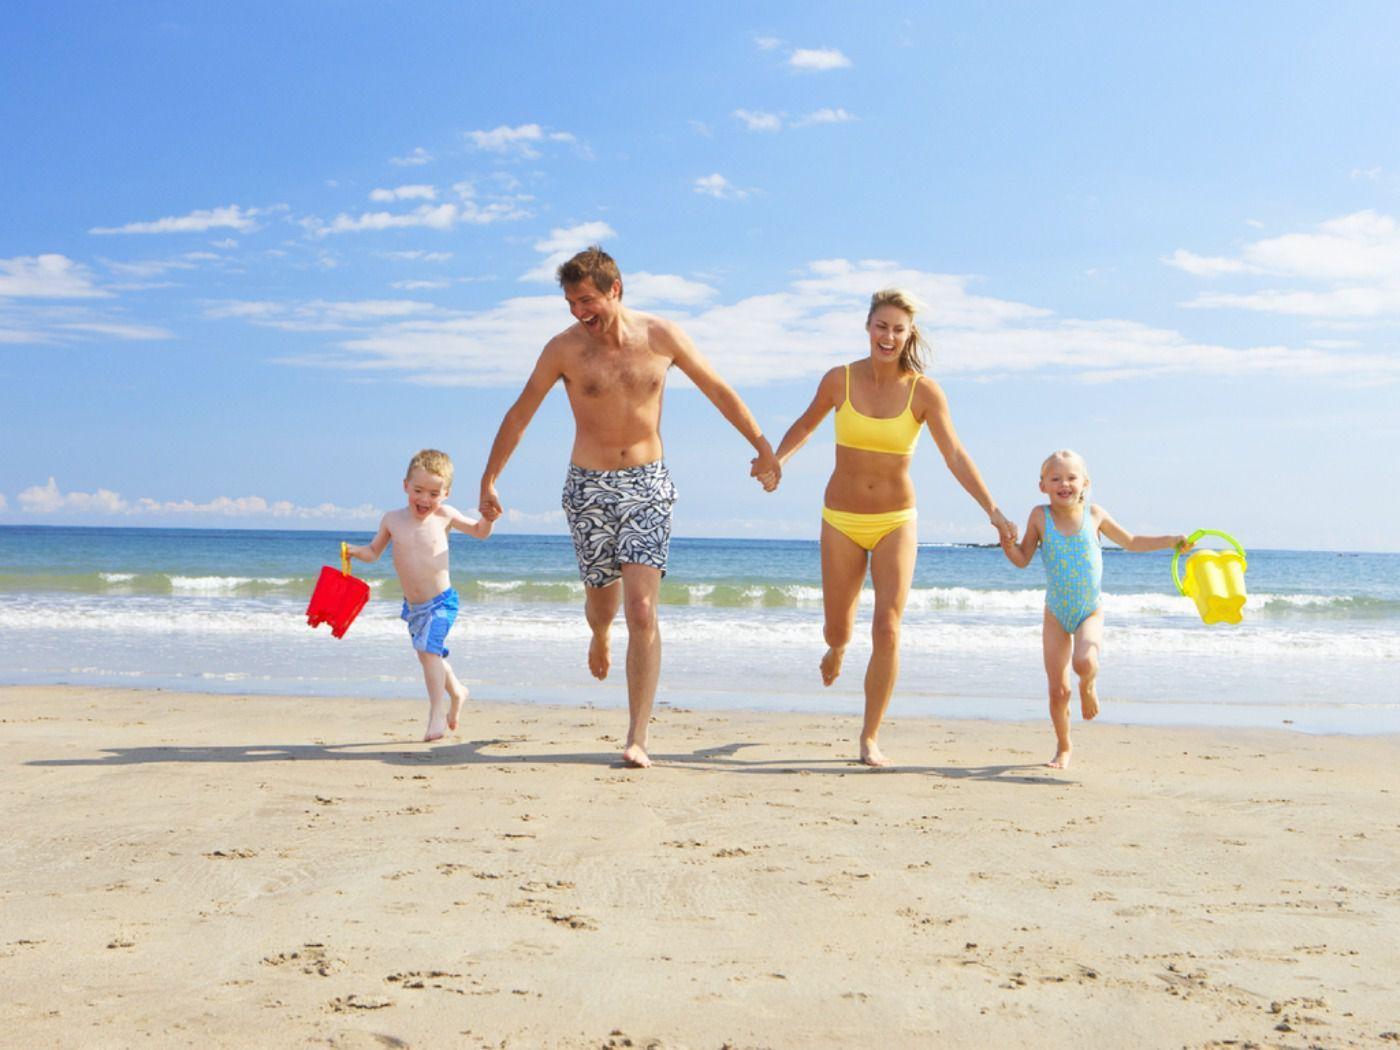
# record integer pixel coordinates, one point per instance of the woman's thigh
(892, 568)
(844, 564)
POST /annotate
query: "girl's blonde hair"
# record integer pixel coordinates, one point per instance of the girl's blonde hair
(1068, 455)
(911, 358)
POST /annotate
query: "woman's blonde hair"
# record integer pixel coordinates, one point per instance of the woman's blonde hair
(911, 358)
(1068, 455)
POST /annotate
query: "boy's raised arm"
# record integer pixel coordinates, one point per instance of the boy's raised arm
(479, 527)
(375, 547)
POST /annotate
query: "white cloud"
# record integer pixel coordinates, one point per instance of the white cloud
(117, 330)
(818, 59)
(1349, 268)
(825, 116)
(404, 193)
(429, 216)
(562, 243)
(718, 187)
(317, 315)
(767, 43)
(414, 159)
(417, 255)
(230, 217)
(644, 288)
(50, 500)
(420, 285)
(758, 120)
(520, 140)
(1367, 174)
(49, 276)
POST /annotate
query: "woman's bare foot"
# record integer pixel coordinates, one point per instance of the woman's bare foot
(634, 756)
(457, 693)
(831, 664)
(1060, 761)
(871, 755)
(599, 655)
(1088, 698)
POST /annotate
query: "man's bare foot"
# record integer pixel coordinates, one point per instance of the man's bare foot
(437, 721)
(634, 756)
(831, 664)
(457, 697)
(1060, 761)
(1088, 698)
(871, 755)
(599, 655)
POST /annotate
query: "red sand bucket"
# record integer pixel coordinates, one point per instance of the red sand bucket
(338, 597)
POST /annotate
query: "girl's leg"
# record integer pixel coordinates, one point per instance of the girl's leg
(891, 570)
(843, 572)
(456, 693)
(1088, 639)
(435, 677)
(1056, 644)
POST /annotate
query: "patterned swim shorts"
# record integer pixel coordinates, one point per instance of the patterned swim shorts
(619, 517)
(428, 622)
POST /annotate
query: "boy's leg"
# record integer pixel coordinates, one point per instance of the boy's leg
(641, 586)
(435, 677)
(457, 693)
(844, 564)
(1088, 640)
(1056, 644)
(891, 571)
(600, 605)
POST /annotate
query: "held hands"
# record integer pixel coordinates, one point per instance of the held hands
(1006, 528)
(767, 470)
(490, 503)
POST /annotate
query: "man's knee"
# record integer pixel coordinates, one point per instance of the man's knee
(640, 610)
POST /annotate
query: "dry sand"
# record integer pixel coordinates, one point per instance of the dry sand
(184, 870)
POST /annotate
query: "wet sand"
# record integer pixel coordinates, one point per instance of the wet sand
(186, 870)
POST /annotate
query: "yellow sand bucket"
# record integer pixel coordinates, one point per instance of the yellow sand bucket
(1214, 579)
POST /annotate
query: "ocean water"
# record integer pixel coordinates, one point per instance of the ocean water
(224, 611)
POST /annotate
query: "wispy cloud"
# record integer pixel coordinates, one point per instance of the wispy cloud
(429, 216)
(233, 217)
(818, 60)
(767, 43)
(564, 242)
(50, 500)
(718, 187)
(824, 116)
(522, 140)
(757, 120)
(645, 289)
(417, 255)
(316, 315)
(49, 276)
(417, 157)
(404, 193)
(421, 285)
(1345, 269)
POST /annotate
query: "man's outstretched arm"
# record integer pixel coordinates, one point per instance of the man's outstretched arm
(517, 418)
(723, 396)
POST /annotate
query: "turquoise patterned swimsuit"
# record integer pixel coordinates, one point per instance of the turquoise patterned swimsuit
(1073, 571)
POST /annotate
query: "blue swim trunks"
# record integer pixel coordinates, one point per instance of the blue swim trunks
(428, 622)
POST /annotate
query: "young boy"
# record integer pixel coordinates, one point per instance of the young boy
(419, 533)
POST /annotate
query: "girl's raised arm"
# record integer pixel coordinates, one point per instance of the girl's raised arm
(1136, 544)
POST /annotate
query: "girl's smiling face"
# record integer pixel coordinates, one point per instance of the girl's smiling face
(1064, 480)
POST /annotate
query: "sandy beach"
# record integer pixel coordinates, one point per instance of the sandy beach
(248, 871)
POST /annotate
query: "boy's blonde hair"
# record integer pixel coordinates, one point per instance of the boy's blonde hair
(1073, 458)
(434, 462)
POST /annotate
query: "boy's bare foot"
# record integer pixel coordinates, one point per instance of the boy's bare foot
(634, 756)
(599, 655)
(871, 755)
(831, 665)
(457, 696)
(437, 721)
(1060, 761)
(1088, 698)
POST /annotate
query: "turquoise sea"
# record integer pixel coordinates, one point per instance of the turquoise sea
(222, 611)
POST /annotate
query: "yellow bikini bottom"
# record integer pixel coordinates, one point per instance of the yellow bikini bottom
(867, 529)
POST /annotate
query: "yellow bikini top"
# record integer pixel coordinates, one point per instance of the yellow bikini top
(897, 435)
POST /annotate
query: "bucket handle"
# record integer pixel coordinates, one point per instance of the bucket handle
(1181, 587)
(344, 558)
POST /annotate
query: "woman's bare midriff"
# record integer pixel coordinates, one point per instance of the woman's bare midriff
(869, 482)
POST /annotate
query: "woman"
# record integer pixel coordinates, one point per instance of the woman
(882, 403)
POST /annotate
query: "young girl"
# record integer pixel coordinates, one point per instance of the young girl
(1067, 532)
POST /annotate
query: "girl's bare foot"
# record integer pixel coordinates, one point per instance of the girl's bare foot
(871, 755)
(1060, 761)
(599, 655)
(635, 757)
(1088, 698)
(831, 665)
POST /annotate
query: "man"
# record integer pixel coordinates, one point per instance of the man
(618, 494)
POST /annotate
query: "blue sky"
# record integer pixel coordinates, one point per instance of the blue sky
(251, 259)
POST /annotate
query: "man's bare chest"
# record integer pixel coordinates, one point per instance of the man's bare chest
(617, 377)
